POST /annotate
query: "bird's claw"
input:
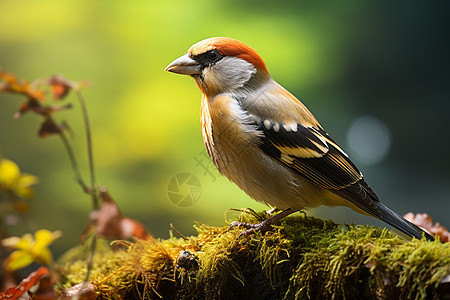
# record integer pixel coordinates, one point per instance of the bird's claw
(251, 228)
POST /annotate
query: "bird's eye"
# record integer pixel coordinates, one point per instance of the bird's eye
(213, 55)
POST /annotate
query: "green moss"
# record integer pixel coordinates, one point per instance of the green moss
(301, 258)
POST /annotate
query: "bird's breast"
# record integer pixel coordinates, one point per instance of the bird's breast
(232, 141)
(227, 130)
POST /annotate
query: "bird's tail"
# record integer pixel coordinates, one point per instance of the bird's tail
(400, 223)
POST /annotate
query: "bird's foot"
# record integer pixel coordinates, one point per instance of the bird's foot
(263, 226)
(252, 228)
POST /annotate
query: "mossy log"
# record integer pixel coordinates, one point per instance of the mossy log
(301, 258)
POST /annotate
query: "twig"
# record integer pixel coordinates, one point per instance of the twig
(90, 260)
(178, 232)
(93, 191)
(73, 160)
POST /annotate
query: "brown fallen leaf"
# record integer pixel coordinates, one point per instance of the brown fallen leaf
(49, 127)
(425, 222)
(45, 290)
(25, 285)
(82, 291)
(60, 86)
(112, 224)
(11, 84)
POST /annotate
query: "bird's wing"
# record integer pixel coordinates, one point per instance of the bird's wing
(310, 152)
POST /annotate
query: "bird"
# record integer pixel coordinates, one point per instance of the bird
(266, 141)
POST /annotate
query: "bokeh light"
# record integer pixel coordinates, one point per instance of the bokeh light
(369, 140)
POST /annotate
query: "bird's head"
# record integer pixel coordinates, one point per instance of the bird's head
(221, 64)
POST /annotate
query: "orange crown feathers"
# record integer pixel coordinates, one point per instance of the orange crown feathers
(230, 47)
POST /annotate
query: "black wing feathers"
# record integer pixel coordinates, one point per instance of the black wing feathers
(311, 153)
(303, 137)
(330, 169)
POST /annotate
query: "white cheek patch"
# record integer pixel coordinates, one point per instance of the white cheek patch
(232, 72)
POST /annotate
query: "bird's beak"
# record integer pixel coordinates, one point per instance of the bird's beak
(184, 65)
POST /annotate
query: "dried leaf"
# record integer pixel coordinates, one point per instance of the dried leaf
(31, 104)
(45, 290)
(82, 291)
(48, 127)
(12, 85)
(112, 224)
(36, 94)
(425, 222)
(25, 285)
(133, 228)
(60, 86)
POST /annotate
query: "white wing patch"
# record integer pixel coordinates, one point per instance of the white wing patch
(290, 127)
(276, 127)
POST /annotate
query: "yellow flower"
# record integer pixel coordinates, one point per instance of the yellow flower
(11, 180)
(30, 250)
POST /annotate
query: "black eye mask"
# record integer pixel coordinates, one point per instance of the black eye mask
(208, 58)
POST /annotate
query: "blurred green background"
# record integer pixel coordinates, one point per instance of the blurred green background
(375, 74)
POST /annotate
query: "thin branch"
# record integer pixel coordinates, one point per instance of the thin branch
(93, 190)
(89, 147)
(72, 158)
(178, 232)
(90, 259)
